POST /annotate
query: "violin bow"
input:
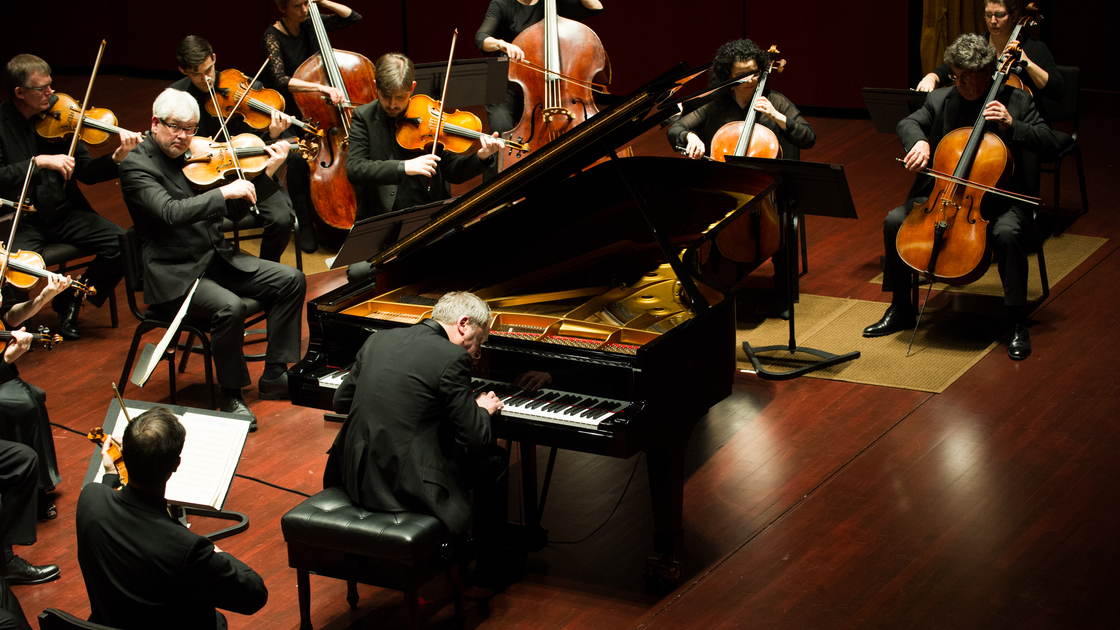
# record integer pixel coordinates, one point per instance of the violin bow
(85, 101)
(442, 96)
(229, 138)
(15, 220)
(120, 401)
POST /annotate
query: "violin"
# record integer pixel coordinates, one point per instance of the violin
(756, 235)
(945, 239)
(43, 334)
(562, 58)
(25, 207)
(416, 128)
(98, 437)
(208, 162)
(26, 268)
(353, 74)
(255, 105)
(62, 118)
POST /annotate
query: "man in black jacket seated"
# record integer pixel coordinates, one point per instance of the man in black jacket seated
(180, 231)
(416, 439)
(141, 567)
(1012, 117)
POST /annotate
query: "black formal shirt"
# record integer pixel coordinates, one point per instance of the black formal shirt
(289, 51)
(706, 121)
(505, 19)
(1039, 54)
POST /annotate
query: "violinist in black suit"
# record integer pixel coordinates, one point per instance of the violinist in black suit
(180, 231)
(142, 568)
(63, 214)
(1014, 119)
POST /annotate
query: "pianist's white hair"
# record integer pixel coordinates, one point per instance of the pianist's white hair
(176, 105)
(454, 305)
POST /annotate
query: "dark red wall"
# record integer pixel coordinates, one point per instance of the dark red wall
(831, 52)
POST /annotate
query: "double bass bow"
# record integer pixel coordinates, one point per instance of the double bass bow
(353, 75)
(562, 59)
(756, 235)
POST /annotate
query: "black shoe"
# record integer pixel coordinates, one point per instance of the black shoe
(20, 571)
(1020, 346)
(894, 320)
(68, 321)
(273, 388)
(237, 404)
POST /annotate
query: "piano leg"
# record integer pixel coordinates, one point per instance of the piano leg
(665, 467)
(536, 538)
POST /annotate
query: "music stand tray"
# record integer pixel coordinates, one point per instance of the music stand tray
(807, 188)
(371, 235)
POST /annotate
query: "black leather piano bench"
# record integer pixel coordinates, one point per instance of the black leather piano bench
(330, 536)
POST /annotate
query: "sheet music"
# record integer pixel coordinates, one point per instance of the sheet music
(161, 347)
(209, 460)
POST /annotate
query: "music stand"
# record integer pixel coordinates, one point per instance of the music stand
(473, 81)
(181, 510)
(887, 106)
(808, 188)
(371, 235)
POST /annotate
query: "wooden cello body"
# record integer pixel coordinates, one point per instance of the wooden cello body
(562, 57)
(353, 74)
(756, 235)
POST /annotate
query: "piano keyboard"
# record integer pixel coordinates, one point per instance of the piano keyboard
(333, 380)
(548, 405)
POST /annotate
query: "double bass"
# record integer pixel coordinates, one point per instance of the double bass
(562, 58)
(945, 239)
(756, 235)
(353, 75)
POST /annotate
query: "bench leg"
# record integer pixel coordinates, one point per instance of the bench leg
(352, 594)
(303, 586)
(412, 603)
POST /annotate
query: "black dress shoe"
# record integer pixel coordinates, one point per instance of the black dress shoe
(237, 405)
(894, 320)
(1020, 346)
(273, 388)
(68, 321)
(307, 239)
(20, 571)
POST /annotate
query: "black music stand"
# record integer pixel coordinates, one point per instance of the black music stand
(887, 106)
(806, 188)
(177, 511)
(371, 235)
(473, 81)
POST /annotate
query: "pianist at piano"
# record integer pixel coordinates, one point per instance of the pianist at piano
(416, 439)
(384, 175)
(180, 233)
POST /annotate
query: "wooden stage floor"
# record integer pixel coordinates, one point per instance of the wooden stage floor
(808, 503)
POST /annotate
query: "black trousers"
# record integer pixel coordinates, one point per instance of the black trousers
(88, 231)
(276, 220)
(17, 494)
(24, 420)
(1006, 232)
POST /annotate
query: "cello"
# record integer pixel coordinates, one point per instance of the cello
(353, 75)
(755, 236)
(945, 239)
(562, 58)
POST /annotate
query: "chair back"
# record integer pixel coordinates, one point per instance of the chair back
(1069, 108)
(54, 619)
(131, 258)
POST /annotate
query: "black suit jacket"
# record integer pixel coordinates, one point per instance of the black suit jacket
(179, 227)
(412, 419)
(1028, 135)
(143, 569)
(375, 165)
(48, 192)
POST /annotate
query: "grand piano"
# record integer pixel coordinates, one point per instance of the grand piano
(599, 274)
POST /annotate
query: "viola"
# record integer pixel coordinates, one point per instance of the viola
(945, 239)
(352, 74)
(756, 235)
(208, 162)
(255, 105)
(43, 335)
(416, 128)
(26, 268)
(61, 119)
(98, 437)
(562, 58)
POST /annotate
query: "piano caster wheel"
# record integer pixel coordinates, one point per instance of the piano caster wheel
(662, 573)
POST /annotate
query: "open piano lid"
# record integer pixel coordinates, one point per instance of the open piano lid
(541, 178)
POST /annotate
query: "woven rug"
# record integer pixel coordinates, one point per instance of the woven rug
(947, 345)
(1063, 254)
